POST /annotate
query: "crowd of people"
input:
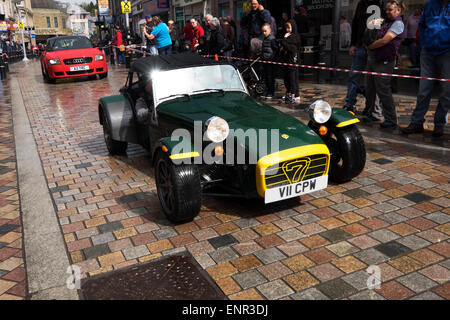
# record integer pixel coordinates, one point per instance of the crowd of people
(426, 33)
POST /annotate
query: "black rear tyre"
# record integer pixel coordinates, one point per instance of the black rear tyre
(114, 146)
(348, 154)
(179, 189)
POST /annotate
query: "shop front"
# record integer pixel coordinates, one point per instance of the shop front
(156, 8)
(184, 10)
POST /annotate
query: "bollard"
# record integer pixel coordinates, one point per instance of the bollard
(3, 72)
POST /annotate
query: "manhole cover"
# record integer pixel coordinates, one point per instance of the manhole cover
(177, 277)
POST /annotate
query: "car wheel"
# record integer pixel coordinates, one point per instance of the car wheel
(179, 189)
(348, 154)
(92, 77)
(103, 75)
(47, 79)
(114, 146)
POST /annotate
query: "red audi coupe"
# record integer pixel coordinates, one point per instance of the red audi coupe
(72, 56)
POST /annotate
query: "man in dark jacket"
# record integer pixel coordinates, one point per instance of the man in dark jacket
(357, 49)
(254, 19)
(434, 30)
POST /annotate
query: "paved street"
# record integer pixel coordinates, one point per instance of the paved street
(395, 215)
(12, 270)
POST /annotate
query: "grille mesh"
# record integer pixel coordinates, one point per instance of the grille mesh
(296, 170)
(78, 60)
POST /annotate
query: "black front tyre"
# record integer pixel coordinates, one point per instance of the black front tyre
(348, 154)
(179, 189)
(103, 75)
(114, 146)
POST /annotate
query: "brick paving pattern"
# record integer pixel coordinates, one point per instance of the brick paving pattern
(395, 215)
(12, 270)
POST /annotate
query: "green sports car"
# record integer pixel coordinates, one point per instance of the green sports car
(208, 136)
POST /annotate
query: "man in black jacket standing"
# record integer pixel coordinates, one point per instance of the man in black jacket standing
(357, 49)
(254, 19)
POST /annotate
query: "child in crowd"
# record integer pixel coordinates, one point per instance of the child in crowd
(269, 51)
(187, 46)
(202, 49)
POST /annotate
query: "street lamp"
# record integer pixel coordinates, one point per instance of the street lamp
(16, 3)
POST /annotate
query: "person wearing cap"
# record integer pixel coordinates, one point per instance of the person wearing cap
(151, 44)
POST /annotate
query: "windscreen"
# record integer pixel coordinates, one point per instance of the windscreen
(70, 43)
(173, 83)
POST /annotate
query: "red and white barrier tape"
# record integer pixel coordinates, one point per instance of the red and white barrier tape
(310, 67)
(331, 69)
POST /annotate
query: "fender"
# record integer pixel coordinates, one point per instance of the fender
(341, 118)
(118, 111)
(176, 148)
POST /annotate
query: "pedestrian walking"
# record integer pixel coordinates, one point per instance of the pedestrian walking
(160, 33)
(434, 29)
(382, 57)
(118, 43)
(359, 53)
(289, 53)
(269, 50)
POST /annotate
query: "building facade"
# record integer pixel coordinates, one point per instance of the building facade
(78, 20)
(49, 20)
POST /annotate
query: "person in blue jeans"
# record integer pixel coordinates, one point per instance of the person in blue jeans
(161, 34)
(359, 53)
(434, 31)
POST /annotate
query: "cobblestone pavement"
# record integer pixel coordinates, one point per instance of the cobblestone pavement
(394, 215)
(12, 270)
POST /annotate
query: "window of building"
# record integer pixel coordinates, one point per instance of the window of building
(63, 22)
(56, 22)
(48, 22)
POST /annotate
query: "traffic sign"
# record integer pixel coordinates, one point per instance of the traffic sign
(21, 25)
(126, 6)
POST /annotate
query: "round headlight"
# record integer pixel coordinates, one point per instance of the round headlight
(217, 129)
(99, 57)
(320, 111)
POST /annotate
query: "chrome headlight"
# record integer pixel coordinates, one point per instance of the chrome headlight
(99, 57)
(54, 61)
(217, 129)
(320, 111)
